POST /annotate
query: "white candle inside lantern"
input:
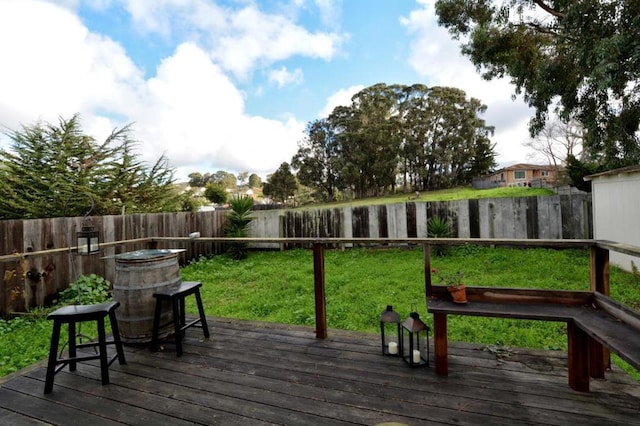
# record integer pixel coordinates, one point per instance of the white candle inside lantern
(393, 348)
(416, 357)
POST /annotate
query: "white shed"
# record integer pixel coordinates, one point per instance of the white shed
(616, 210)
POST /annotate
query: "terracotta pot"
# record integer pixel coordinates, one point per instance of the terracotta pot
(458, 292)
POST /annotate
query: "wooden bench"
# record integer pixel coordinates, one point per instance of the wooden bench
(595, 324)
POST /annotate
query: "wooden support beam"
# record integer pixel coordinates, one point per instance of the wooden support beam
(440, 344)
(597, 364)
(320, 296)
(578, 358)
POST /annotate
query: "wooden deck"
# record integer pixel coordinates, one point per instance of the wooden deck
(257, 373)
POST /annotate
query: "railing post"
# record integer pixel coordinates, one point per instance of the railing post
(599, 269)
(318, 279)
(427, 271)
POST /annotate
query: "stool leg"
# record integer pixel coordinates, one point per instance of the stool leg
(177, 326)
(102, 343)
(183, 319)
(72, 345)
(53, 356)
(156, 325)
(116, 337)
(203, 319)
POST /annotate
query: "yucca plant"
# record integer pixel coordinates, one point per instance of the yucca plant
(439, 227)
(238, 221)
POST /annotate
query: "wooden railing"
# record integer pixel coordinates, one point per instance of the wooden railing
(599, 265)
(599, 250)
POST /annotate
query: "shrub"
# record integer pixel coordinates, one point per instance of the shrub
(86, 290)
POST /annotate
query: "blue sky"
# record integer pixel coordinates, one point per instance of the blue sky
(227, 85)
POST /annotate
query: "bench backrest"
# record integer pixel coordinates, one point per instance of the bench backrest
(519, 295)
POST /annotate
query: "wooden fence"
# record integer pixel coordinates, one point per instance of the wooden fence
(38, 257)
(549, 217)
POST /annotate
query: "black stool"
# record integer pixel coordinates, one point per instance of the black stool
(176, 296)
(71, 315)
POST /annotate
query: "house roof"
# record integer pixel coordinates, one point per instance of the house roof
(525, 166)
(621, 171)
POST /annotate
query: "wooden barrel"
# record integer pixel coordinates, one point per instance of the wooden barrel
(139, 274)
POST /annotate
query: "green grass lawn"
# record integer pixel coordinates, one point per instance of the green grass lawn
(440, 195)
(278, 287)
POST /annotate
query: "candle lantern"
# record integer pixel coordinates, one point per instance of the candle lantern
(390, 332)
(415, 341)
(88, 241)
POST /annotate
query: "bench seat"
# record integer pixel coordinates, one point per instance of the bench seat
(534, 311)
(594, 323)
(619, 336)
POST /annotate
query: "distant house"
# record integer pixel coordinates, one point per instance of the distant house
(520, 175)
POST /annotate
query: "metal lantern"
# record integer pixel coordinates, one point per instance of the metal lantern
(390, 336)
(415, 341)
(88, 241)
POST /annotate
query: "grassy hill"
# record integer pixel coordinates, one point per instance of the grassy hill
(441, 195)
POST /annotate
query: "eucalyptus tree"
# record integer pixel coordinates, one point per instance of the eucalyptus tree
(579, 58)
(57, 170)
(379, 136)
(316, 159)
(432, 137)
(368, 140)
(412, 114)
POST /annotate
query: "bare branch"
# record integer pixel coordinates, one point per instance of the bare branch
(549, 9)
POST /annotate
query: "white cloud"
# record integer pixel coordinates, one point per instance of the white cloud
(340, 98)
(58, 67)
(238, 40)
(190, 110)
(256, 38)
(197, 117)
(435, 55)
(282, 77)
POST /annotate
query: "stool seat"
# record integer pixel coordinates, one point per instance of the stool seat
(71, 315)
(83, 312)
(176, 297)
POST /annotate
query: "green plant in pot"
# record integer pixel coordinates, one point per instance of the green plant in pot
(454, 284)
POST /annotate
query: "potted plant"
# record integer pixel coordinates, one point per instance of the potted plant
(454, 284)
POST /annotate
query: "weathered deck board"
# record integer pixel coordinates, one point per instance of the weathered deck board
(257, 373)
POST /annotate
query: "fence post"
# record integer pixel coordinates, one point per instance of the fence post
(318, 278)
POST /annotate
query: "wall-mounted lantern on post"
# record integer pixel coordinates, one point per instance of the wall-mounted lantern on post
(88, 239)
